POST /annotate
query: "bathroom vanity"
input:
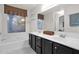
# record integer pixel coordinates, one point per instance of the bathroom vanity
(54, 44)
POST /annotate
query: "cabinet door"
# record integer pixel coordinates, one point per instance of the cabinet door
(38, 50)
(43, 46)
(33, 42)
(75, 51)
(46, 46)
(30, 41)
(38, 41)
(38, 45)
(60, 49)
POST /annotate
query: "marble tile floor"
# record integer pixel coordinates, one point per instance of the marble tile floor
(26, 50)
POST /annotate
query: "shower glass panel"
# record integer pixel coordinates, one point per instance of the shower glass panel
(16, 23)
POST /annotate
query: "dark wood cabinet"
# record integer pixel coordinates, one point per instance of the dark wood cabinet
(46, 46)
(32, 42)
(61, 49)
(38, 45)
(75, 51)
(38, 50)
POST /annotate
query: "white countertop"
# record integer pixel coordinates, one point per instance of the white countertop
(67, 41)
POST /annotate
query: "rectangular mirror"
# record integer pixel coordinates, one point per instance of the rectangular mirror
(74, 20)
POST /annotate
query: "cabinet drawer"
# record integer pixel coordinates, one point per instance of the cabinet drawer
(61, 49)
(46, 46)
(38, 41)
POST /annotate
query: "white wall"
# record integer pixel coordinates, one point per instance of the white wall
(1, 8)
(33, 19)
(70, 9)
(0, 27)
(0, 23)
(1, 13)
(49, 22)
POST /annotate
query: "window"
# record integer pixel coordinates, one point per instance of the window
(16, 23)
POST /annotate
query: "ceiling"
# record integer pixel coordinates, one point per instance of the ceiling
(25, 6)
(33, 6)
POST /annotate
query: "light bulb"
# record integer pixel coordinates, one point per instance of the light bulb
(22, 20)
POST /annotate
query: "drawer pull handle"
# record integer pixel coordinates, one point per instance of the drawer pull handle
(55, 47)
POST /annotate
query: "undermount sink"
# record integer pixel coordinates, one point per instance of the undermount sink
(63, 36)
